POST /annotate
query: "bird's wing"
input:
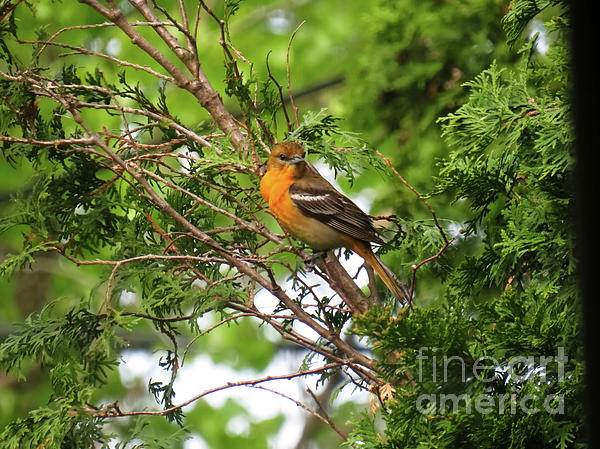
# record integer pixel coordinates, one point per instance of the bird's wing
(320, 200)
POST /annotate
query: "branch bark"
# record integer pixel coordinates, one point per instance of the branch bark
(197, 84)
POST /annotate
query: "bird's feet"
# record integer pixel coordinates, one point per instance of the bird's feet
(311, 262)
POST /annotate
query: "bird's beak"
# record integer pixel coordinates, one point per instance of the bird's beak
(297, 158)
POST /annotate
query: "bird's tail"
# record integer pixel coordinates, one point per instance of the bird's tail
(399, 290)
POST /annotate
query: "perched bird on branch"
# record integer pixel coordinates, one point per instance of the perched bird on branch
(310, 209)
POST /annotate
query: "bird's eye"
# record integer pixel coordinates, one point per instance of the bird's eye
(282, 157)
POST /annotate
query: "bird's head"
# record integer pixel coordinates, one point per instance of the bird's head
(287, 156)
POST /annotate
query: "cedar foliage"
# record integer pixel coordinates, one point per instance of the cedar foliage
(508, 288)
(515, 293)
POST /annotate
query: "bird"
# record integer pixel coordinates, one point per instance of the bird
(312, 210)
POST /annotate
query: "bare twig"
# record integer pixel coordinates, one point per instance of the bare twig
(324, 416)
(113, 413)
(287, 71)
(281, 99)
(86, 51)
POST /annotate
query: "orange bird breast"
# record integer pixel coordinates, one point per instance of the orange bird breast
(274, 188)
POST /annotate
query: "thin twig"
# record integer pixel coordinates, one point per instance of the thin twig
(287, 71)
(245, 383)
(280, 90)
(324, 416)
(388, 162)
(87, 51)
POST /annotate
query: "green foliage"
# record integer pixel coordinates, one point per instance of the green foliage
(520, 14)
(77, 347)
(510, 304)
(341, 150)
(131, 180)
(77, 352)
(418, 54)
(56, 426)
(24, 259)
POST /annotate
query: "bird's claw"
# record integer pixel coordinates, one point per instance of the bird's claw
(311, 262)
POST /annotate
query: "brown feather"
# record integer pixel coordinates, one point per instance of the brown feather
(318, 199)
